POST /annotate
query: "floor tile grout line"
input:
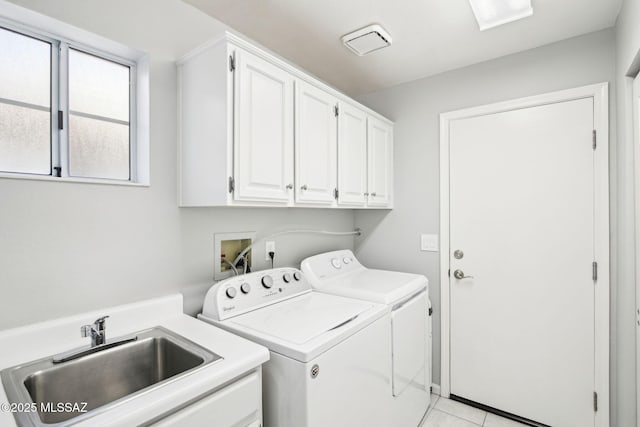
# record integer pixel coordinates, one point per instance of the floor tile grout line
(455, 416)
(465, 419)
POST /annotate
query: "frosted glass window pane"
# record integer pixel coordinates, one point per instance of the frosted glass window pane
(98, 117)
(25, 140)
(25, 104)
(26, 69)
(98, 148)
(98, 87)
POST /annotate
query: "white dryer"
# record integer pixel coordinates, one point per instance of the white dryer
(407, 299)
(328, 354)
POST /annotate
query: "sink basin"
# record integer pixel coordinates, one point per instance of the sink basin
(66, 393)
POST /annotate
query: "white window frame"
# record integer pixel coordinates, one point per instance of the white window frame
(63, 37)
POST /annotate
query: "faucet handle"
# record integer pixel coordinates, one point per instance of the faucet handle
(99, 323)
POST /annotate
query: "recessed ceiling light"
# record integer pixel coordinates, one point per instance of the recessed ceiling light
(367, 39)
(491, 13)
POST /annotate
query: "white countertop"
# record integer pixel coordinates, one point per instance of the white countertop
(24, 344)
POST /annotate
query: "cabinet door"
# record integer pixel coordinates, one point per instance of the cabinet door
(263, 130)
(316, 140)
(380, 162)
(352, 156)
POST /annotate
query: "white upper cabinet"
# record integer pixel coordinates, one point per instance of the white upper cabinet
(316, 145)
(254, 130)
(263, 130)
(352, 156)
(380, 163)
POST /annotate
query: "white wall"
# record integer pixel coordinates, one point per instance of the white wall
(67, 248)
(627, 49)
(392, 239)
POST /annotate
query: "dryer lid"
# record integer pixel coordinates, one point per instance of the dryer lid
(301, 319)
(381, 286)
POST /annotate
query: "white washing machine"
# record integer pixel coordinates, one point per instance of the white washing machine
(408, 315)
(328, 354)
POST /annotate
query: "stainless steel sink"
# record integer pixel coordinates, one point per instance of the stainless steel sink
(101, 379)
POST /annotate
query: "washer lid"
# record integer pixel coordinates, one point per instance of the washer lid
(301, 319)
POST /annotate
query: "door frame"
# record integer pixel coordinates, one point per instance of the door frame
(600, 94)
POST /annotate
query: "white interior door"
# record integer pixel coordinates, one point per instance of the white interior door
(352, 156)
(522, 215)
(263, 130)
(316, 145)
(380, 161)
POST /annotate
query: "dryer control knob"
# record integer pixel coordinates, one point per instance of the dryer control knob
(245, 288)
(297, 276)
(267, 281)
(231, 292)
(286, 277)
(336, 263)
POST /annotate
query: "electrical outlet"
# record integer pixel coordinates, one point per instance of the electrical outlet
(269, 246)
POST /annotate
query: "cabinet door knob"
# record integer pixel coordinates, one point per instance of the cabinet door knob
(373, 194)
(366, 194)
(304, 187)
(289, 186)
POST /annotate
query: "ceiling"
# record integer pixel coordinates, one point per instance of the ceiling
(429, 36)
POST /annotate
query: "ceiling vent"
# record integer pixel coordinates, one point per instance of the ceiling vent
(367, 39)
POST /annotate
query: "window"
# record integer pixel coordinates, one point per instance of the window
(25, 104)
(68, 110)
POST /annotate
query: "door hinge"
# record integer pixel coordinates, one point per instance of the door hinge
(594, 271)
(430, 311)
(336, 110)
(594, 139)
(336, 193)
(449, 273)
(232, 184)
(232, 62)
(595, 401)
(57, 171)
(60, 120)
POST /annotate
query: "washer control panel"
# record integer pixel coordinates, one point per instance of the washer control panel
(240, 294)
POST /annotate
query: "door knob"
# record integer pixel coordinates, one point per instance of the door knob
(459, 274)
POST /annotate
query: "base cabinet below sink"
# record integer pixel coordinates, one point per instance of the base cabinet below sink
(237, 405)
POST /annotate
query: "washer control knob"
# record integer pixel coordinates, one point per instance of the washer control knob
(297, 276)
(267, 281)
(346, 260)
(231, 292)
(336, 263)
(286, 277)
(245, 288)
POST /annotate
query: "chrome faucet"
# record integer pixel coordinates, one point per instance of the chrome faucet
(97, 331)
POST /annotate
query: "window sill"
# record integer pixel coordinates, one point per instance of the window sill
(72, 180)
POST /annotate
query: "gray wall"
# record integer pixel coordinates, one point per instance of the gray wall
(67, 248)
(392, 239)
(624, 298)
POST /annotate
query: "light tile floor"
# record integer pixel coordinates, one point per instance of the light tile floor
(449, 413)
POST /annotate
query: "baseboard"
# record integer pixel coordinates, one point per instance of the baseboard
(435, 389)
